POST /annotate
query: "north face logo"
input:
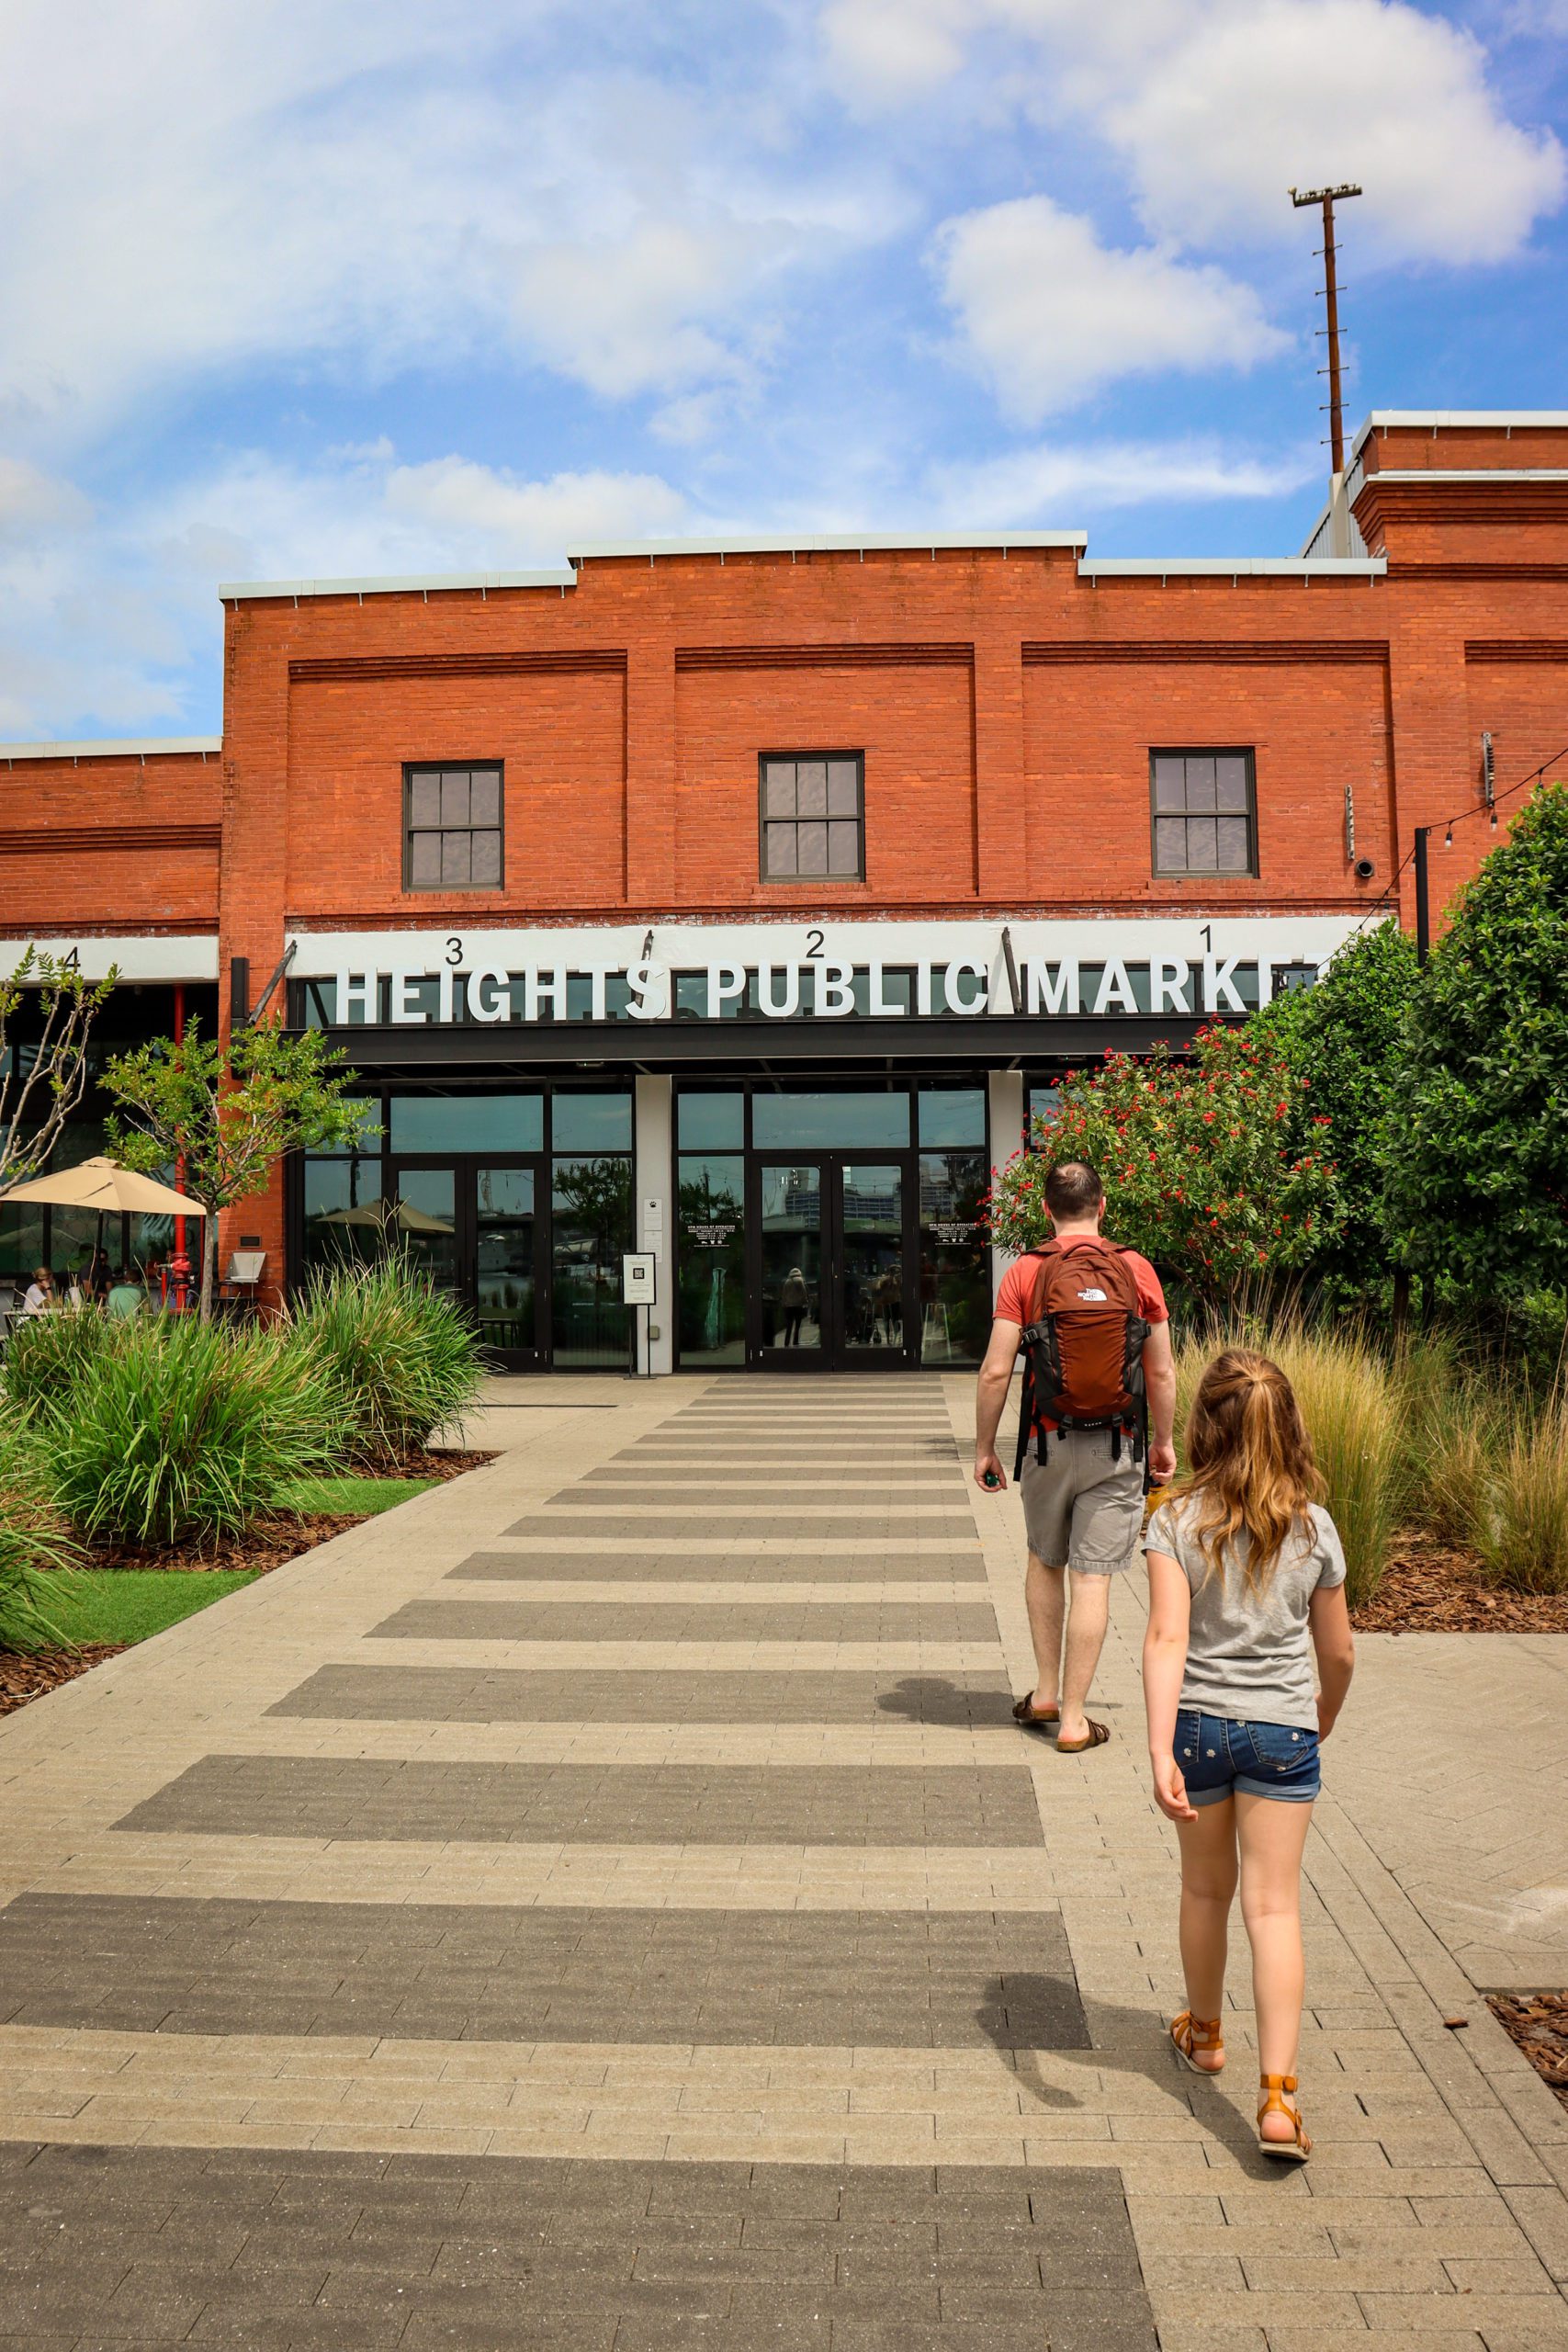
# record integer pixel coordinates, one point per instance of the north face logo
(1097, 1294)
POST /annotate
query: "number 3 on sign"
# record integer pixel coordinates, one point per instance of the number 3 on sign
(454, 952)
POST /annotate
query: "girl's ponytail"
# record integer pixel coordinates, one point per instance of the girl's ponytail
(1250, 1463)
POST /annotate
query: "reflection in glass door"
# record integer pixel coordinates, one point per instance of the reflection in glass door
(425, 1222)
(790, 1290)
(506, 1258)
(870, 1271)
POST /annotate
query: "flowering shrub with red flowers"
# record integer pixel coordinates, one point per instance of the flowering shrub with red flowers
(1202, 1162)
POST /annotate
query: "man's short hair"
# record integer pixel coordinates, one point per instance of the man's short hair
(1073, 1189)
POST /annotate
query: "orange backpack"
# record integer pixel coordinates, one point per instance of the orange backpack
(1083, 1351)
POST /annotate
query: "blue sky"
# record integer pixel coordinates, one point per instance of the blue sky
(303, 290)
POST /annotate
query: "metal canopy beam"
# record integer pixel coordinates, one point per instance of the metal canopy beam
(753, 1048)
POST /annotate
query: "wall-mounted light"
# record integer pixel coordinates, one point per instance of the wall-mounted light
(1488, 775)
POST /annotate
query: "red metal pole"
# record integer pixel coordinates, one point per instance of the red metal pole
(180, 1264)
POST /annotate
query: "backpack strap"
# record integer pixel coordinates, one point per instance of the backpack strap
(1026, 1400)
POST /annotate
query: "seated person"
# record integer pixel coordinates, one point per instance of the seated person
(128, 1295)
(39, 1298)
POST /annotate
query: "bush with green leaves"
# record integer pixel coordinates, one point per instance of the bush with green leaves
(180, 1429)
(47, 1356)
(1204, 1164)
(35, 1542)
(1477, 1133)
(399, 1357)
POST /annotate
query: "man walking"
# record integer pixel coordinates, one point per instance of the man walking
(1100, 1310)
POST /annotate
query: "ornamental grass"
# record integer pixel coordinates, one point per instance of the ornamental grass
(397, 1357)
(35, 1542)
(179, 1430)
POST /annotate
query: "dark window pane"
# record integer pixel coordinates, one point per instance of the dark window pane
(1201, 844)
(1232, 857)
(843, 788)
(1170, 783)
(843, 849)
(711, 1122)
(454, 861)
(591, 1122)
(953, 1114)
(778, 788)
(1199, 783)
(781, 849)
(424, 800)
(1231, 779)
(811, 849)
(1170, 845)
(455, 797)
(799, 1118)
(424, 861)
(811, 787)
(484, 798)
(486, 869)
(443, 1123)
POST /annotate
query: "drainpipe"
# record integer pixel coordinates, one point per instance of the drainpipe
(180, 1264)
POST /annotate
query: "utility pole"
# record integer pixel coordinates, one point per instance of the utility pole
(1339, 521)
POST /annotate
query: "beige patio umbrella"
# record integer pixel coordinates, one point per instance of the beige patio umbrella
(99, 1184)
(407, 1218)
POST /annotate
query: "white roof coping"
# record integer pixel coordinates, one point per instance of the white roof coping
(1467, 473)
(236, 592)
(137, 746)
(1476, 420)
(831, 543)
(1237, 567)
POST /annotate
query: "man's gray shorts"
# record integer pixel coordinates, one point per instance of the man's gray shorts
(1082, 1509)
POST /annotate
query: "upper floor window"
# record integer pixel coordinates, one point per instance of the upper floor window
(813, 816)
(1205, 813)
(452, 829)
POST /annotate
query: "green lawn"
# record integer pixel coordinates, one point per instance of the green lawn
(364, 1497)
(128, 1604)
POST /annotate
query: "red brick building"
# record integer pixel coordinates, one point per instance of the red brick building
(728, 900)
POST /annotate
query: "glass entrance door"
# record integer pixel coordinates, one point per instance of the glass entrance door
(830, 1262)
(474, 1227)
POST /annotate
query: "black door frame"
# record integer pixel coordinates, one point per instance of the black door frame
(837, 1353)
(464, 1167)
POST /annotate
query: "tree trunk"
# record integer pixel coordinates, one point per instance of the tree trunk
(208, 1261)
(1401, 1302)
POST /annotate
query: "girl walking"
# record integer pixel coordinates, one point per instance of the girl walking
(1247, 1582)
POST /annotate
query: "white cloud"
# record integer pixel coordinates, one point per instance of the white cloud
(1214, 106)
(114, 624)
(1059, 484)
(1050, 314)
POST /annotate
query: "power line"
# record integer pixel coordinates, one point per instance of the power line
(1482, 809)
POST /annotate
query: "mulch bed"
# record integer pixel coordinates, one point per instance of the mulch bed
(22, 1678)
(265, 1543)
(1427, 1588)
(1539, 2023)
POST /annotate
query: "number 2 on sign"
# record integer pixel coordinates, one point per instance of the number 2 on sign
(814, 942)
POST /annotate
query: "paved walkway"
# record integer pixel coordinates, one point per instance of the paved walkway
(605, 1905)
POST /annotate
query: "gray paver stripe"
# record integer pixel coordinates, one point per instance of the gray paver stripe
(718, 1804)
(668, 1568)
(761, 1695)
(530, 2253)
(483, 1972)
(473, 1618)
(728, 1528)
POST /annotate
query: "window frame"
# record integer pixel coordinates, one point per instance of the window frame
(413, 769)
(1244, 752)
(809, 881)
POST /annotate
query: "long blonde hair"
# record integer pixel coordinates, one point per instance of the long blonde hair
(1249, 1463)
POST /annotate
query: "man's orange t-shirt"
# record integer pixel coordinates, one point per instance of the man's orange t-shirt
(1015, 1298)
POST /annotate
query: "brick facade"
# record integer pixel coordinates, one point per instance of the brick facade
(1006, 699)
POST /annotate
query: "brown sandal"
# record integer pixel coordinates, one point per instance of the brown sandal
(1024, 1712)
(1293, 2152)
(1189, 2034)
(1097, 1736)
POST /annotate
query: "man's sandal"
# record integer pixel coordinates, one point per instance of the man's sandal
(1189, 2034)
(1293, 2152)
(1024, 1713)
(1097, 1736)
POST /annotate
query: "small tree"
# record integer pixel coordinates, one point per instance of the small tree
(1344, 1042)
(1478, 1125)
(42, 1079)
(1199, 1160)
(230, 1113)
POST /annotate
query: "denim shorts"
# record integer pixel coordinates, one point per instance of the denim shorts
(1218, 1758)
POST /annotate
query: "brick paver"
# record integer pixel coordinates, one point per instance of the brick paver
(535, 1918)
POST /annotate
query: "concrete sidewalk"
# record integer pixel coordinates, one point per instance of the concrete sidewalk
(583, 1910)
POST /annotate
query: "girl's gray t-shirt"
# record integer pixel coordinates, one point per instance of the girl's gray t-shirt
(1249, 1656)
